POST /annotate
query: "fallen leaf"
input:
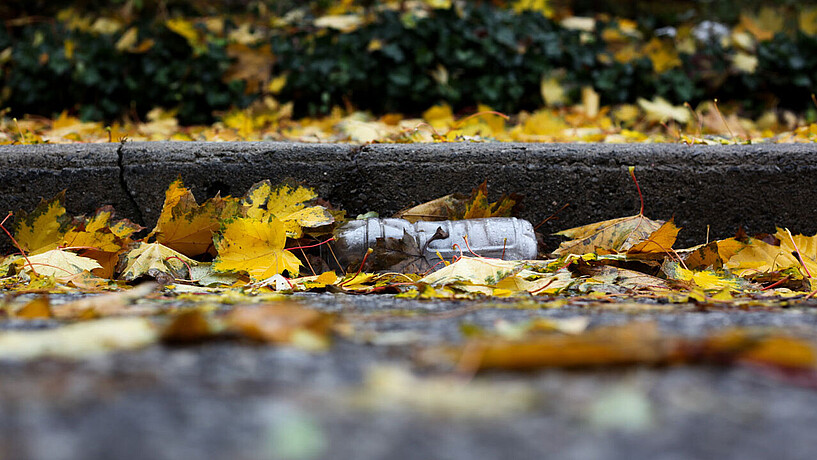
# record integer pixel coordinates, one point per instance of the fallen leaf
(609, 236)
(59, 263)
(256, 247)
(189, 326)
(187, 227)
(78, 341)
(758, 257)
(635, 343)
(287, 204)
(282, 322)
(42, 229)
(38, 308)
(154, 259)
(112, 304)
(399, 255)
(473, 270)
(444, 208)
(479, 207)
(659, 242)
(660, 110)
(393, 388)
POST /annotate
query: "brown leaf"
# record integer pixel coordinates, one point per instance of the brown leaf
(629, 344)
(609, 236)
(189, 326)
(252, 65)
(281, 322)
(443, 208)
(402, 255)
(38, 308)
(187, 227)
(659, 242)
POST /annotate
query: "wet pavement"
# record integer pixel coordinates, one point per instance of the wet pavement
(368, 398)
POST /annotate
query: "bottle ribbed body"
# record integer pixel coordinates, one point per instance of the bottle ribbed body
(508, 238)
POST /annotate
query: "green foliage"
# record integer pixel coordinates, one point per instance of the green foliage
(398, 62)
(100, 82)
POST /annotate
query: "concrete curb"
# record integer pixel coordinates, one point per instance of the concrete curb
(726, 187)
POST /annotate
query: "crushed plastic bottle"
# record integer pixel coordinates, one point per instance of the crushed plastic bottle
(508, 238)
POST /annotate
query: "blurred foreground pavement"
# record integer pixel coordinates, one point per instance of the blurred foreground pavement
(367, 398)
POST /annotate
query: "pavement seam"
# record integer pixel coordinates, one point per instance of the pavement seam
(123, 183)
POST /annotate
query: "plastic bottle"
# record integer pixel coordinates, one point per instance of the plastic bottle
(508, 238)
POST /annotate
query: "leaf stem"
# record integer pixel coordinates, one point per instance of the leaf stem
(16, 244)
(369, 251)
(311, 245)
(799, 256)
(638, 187)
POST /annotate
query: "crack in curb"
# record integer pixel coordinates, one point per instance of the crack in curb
(124, 184)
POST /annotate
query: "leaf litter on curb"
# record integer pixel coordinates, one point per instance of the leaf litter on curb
(260, 247)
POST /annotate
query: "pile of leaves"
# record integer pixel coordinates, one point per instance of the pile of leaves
(248, 243)
(647, 122)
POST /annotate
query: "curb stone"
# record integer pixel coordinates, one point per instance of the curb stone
(756, 187)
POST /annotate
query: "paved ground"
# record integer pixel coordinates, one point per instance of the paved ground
(235, 400)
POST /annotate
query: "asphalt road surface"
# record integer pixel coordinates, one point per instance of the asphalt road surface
(368, 398)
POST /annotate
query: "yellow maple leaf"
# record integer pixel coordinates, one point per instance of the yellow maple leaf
(805, 246)
(153, 258)
(95, 238)
(707, 280)
(287, 204)
(187, 227)
(760, 257)
(254, 246)
(44, 228)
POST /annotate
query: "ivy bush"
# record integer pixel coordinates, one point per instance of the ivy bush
(398, 62)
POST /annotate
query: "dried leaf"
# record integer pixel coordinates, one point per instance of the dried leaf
(155, 259)
(78, 341)
(59, 263)
(609, 236)
(287, 204)
(256, 247)
(659, 242)
(473, 270)
(443, 208)
(43, 229)
(188, 227)
(38, 308)
(403, 255)
(189, 326)
(112, 304)
(282, 323)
